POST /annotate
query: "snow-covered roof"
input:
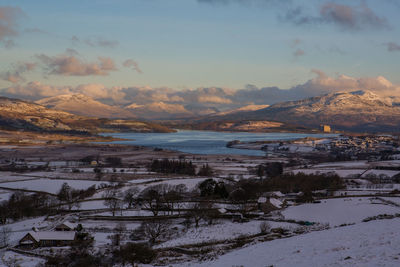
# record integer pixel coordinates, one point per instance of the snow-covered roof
(52, 235)
(262, 200)
(222, 210)
(67, 224)
(278, 194)
(276, 202)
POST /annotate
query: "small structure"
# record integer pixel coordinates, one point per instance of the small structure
(326, 128)
(66, 226)
(47, 239)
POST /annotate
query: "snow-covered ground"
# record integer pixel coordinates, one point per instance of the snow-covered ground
(220, 231)
(345, 173)
(339, 211)
(108, 225)
(11, 258)
(19, 229)
(126, 213)
(91, 205)
(50, 185)
(376, 243)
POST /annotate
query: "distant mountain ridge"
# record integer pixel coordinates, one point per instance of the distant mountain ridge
(17, 114)
(83, 105)
(356, 111)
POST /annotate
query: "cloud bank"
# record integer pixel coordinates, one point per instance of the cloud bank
(211, 97)
(346, 17)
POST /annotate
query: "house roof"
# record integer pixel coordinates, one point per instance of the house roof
(262, 200)
(276, 202)
(52, 235)
(67, 224)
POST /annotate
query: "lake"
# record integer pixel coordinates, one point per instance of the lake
(205, 142)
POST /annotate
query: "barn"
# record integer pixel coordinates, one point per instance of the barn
(47, 239)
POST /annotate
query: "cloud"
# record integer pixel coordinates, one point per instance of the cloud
(70, 65)
(130, 63)
(34, 91)
(322, 83)
(15, 75)
(392, 47)
(295, 42)
(36, 31)
(346, 17)
(299, 52)
(96, 42)
(9, 17)
(245, 2)
(214, 98)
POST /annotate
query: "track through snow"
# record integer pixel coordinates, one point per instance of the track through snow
(376, 243)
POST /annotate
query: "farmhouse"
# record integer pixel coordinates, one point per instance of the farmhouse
(47, 239)
(65, 226)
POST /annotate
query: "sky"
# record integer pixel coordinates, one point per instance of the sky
(183, 44)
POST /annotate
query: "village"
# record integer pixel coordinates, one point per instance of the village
(96, 202)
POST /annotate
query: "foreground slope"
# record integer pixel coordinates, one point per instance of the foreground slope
(375, 243)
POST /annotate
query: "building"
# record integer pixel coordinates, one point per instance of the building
(66, 226)
(47, 239)
(326, 128)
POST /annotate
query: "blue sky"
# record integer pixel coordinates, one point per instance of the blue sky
(193, 43)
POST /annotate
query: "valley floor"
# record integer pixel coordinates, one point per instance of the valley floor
(357, 226)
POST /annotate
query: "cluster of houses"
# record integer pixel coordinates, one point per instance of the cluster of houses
(353, 145)
(63, 235)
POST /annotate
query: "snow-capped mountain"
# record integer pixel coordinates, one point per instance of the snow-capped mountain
(85, 106)
(357, 110)
(17, 114)
(159, 110)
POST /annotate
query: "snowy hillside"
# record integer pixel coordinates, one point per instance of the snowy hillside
(376, 243)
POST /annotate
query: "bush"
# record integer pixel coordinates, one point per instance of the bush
(114, 161)
(135, 253)
(172, 166)
(264, 227)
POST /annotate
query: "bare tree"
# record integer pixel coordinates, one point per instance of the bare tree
(130, 196)
(112, 200)
(202, 211)
(152, 197)
(241, 199)
(5, 233)
(118, 236)
(156, 229)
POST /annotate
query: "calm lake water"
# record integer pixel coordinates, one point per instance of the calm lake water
(205, 142)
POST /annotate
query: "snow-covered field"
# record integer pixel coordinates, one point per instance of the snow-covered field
(345, 173)
(220, 231)
(339, 211)
(50, 185)
(91, 205)
(11, 258)
(376, 243)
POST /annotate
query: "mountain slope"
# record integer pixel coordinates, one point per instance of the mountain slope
(83, 105)
(359, 111)
(22, 115)
(159, 110)
(242, 109)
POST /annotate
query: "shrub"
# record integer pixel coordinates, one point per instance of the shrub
(135, 253)
(264, 227)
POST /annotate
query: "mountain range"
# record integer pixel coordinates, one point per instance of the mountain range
(361, 111)
(352, 111)
(17, 114)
